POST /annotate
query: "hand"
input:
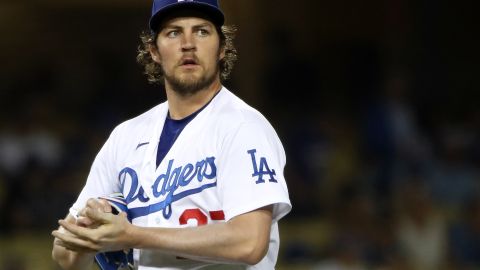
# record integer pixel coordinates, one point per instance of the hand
(113, 233)
(100, 204)
(67, 245)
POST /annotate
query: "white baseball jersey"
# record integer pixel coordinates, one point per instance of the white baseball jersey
(227, 161)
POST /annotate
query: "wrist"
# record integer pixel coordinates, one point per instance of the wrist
(72, 259)
(134, 236)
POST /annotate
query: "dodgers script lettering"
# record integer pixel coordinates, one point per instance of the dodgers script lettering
(165, 187)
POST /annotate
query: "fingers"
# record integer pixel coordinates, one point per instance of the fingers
(98, 216)
(74, 243)
(90, 215)
(77, 231)
(86, 222)
(109, 235)
(99, 204)
(72, 247)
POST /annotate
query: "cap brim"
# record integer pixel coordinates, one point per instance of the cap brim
(212, 12)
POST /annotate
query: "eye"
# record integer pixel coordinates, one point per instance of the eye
(173, 33)
(203, 32)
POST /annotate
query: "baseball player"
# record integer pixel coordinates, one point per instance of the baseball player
(201, 174)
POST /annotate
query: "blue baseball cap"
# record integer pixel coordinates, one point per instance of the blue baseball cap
(161, 8)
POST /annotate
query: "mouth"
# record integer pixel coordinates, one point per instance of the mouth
(188, 62)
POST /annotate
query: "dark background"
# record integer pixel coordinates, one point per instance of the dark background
(376, 103)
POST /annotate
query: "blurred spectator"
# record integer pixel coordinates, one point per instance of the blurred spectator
(394, 143)
(454, 177)
(421, 229)
(13, 149)
(308, 147)
(351, 245)
(464, 237)
(385, 252)
(346, 256)
(30, 153)
(324, 160)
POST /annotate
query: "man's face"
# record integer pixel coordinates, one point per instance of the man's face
(188, 49)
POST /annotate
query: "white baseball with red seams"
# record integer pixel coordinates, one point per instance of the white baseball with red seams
(227, 161)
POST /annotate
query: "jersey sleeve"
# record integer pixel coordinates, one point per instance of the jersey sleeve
(102, 179)
(250, 171)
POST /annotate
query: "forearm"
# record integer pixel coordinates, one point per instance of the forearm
(70, 260)
(236, 241)
(243, 239)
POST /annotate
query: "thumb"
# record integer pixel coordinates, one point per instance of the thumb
(123, 214)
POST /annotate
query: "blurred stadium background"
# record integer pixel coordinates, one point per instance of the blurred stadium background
(376, 102)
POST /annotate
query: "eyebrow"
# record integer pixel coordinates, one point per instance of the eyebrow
(197, 26)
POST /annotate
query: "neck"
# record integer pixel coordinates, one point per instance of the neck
(181, 106)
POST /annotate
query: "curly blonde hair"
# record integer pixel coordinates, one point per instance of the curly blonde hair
(154, 71)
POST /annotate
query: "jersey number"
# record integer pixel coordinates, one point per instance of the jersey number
(199, 216)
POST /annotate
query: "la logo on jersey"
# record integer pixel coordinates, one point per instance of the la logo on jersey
(261, 169)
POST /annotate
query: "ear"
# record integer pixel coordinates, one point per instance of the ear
(154, 54)
(222, 53)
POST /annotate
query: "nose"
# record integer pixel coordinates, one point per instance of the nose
(188, 42)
